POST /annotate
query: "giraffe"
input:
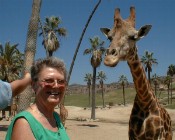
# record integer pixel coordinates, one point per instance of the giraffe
(148, 119)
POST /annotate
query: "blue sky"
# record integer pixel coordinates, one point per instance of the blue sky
(15, 15)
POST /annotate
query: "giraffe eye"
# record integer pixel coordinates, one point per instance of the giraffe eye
(132, 37)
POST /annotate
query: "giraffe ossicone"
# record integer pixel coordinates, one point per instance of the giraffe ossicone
(148, 119)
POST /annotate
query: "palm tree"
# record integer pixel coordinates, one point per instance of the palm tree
(96, 51)
(148, 61)
(88, 79)
(102, 77)
(167, 82)
(123, 82)
(25, 97)
(81, 38)
(155, 80)
(171, 72)
(11, 61)
(51, 33)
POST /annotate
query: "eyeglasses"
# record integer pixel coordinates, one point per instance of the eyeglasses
(52, 82)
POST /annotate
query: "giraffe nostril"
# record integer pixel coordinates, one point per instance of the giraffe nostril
(113, 52)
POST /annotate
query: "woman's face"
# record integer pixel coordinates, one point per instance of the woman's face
(50, 86)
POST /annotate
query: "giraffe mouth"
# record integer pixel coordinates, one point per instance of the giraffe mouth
(111, 60)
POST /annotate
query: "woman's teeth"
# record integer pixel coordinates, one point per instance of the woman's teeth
(53, 93)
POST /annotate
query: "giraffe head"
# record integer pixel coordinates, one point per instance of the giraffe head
(123, 37)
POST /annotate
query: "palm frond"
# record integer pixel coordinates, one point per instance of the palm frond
(87, 51)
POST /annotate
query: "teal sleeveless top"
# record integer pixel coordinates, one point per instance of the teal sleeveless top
(39, 132)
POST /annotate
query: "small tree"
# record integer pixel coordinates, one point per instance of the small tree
(123, 82)
(171, 72)
(51, 33)
(11, 62)
(148, 61)
(167, 82)
(96, 51)
(155, 80)
(102, 77)
(88, 79)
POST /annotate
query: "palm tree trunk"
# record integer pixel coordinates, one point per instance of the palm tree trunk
(155, 88)
(25, 98)
(168, 95)
(103, 96)
(89, 87)
(93, 94)
(50, 53)
(79, 43)
(149, 77)
(124, 96)
(171, 89)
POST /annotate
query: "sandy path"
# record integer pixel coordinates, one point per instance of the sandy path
(111, 124)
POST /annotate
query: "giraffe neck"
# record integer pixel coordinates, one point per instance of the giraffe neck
(144, 97)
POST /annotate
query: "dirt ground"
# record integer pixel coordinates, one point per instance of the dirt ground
(110, 123)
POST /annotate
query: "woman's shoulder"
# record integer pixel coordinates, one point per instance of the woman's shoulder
(23, 114)
(21, 121)
(19, 125)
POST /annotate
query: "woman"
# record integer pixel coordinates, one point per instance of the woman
(40, 121)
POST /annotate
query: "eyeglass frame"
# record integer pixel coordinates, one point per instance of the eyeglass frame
(52, 82)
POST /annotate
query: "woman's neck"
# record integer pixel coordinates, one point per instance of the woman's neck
(43, 110)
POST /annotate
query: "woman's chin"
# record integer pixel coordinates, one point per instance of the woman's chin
(54, 101)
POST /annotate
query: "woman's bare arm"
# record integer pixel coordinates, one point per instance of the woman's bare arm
(22, 130)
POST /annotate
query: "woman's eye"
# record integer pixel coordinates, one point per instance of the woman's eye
(49, 80)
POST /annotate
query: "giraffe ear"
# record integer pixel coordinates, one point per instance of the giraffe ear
(105, 31)
(143, 31)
